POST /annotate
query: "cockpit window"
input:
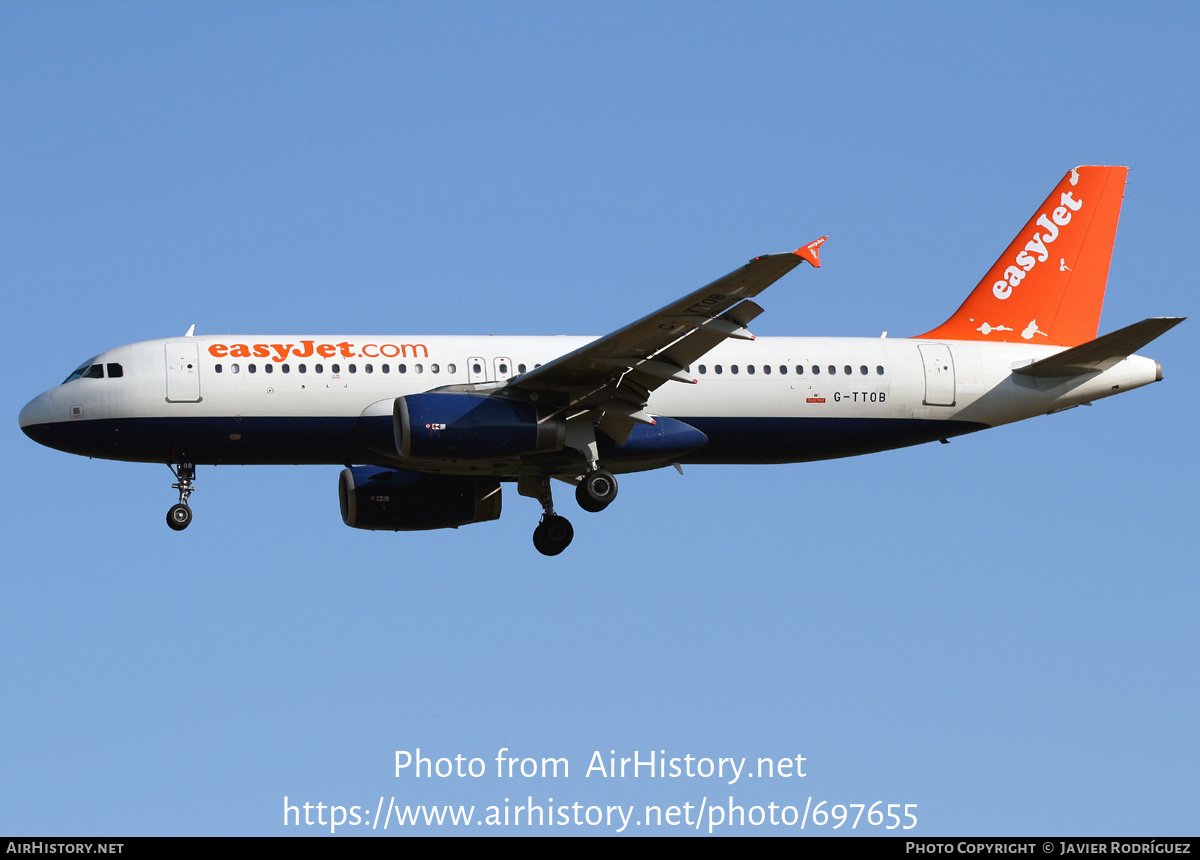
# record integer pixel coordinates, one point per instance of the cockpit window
(87, 370)
(115, 371)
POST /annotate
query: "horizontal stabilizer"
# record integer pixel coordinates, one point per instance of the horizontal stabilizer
(1103, 352)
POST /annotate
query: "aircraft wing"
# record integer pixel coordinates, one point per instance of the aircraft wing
(617, 372)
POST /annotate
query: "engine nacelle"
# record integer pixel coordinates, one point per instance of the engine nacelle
(393, 500)
(464, 426)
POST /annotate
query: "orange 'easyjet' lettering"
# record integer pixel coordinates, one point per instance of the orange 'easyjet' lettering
(279, 352)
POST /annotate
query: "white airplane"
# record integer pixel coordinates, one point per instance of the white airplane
(436, 424)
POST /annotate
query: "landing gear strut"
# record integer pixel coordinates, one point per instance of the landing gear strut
(180, 515)
(553, 533)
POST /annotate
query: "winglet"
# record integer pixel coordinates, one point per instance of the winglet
(809, 252)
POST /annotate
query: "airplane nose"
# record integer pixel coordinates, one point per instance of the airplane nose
(37, 413)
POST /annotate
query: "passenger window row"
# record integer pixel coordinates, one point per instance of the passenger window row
(798, 370)
(286, 367)
(335, 369)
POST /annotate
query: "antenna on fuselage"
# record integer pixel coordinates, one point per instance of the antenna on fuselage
(191, 330)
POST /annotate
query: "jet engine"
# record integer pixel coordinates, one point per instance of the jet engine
(394, 500)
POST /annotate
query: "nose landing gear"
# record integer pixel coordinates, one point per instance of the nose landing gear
(180, 515)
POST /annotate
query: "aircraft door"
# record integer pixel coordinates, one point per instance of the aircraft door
(939, 374)
(183, 372)
(476, 369)
(503, 368)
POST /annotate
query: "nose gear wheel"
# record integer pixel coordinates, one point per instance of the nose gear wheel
(179, 517)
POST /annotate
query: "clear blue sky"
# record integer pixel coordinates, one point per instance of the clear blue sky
(1001, 630)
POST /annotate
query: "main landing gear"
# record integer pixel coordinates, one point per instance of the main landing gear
(180, 515)
(596, 490)
(554, 533)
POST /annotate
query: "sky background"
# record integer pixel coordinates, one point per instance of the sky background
(1000, 630)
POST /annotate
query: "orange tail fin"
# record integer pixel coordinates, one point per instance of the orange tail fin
(1048, 285)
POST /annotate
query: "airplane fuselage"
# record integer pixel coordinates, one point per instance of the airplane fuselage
(329, 399)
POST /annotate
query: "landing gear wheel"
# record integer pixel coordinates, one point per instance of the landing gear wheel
(179, 517)
(552, 535)
(596, 491)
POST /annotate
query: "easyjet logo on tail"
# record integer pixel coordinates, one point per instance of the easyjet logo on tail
(1049, 281)
(1025, 261)
(279, 352)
